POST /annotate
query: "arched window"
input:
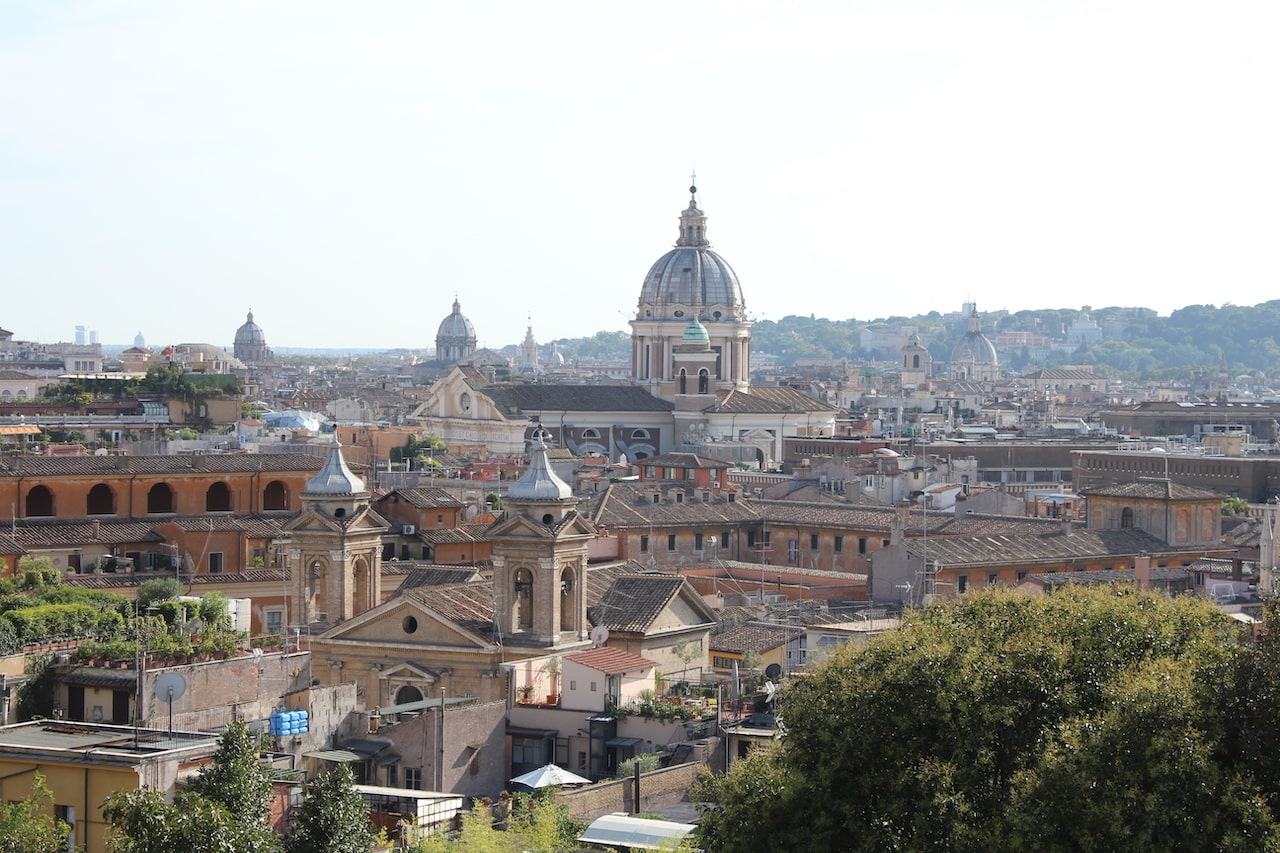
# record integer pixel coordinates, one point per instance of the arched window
(522, 615)
(568, 611)
(590, 432)
(407, 694)
(160, 498)
(684, 382)
(101, 501)
(6, 395)
(915, 362)
(40, 502)
(275, 496)
(217, 498)
(704, 380)
(640, 433)
(1126, 517)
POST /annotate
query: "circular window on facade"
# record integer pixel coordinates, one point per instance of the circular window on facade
(410, 624)
(678, 313)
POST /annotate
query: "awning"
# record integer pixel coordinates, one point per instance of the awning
(622, 741)
(389, 758)
(638, 833)
(342, 756)
(1244, 617)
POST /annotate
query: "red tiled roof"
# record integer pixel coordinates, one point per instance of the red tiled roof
(610, 661)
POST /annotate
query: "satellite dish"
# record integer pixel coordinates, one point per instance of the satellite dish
(170, 686)
(772, 671)
(599, 636)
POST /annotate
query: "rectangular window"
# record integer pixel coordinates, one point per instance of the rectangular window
(671, 541)
(837, 544)
(862, 544)
(722, 662)
(962, 583)
(697, 541)
(793, 550)
(732, 497)
(679, 497)
(413, 778)
(391, 776)
(594, 687)
(768, 539)
(1022, 574)
(275, 620)
(573, 684)
(813, 541)
(644, 543)
(215, 562)
(751, 539)
(439, 519)
(992, 578)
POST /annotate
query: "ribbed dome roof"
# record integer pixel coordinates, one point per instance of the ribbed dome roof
(335, 478)
(250, 333)
(539, 482)
(974, 347)
(696, 333)
(693, 275)
(456, 325)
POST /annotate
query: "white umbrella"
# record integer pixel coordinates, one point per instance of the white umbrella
(549, 775)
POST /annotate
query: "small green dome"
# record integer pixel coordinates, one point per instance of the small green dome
(696, 333)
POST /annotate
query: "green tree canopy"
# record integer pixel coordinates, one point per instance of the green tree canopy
(28, 826)
(223, 812)
(333, 818)
(1085, 720)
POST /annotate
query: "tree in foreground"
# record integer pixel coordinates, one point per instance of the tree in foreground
(28, 826)
(333, 818)
(1085, 720)
(536, 824)
(224, 811)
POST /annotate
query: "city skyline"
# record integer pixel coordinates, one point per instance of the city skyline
(345, 174)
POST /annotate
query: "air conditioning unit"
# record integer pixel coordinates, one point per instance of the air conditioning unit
(410, 529)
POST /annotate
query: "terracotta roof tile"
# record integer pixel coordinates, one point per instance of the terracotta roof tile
(610, 661)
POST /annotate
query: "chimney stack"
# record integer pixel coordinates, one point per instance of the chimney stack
(1142, 571)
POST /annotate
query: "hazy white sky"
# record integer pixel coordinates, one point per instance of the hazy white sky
(343, 169)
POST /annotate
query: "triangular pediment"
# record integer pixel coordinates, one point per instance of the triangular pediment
(362, 520)
(404, 620)
(521, 526)
(407, 669)
(310, 519)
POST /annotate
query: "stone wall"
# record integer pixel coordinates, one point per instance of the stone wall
(658, 788)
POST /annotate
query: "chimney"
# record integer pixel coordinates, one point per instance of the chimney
(1237, 568)
(1066, 525)
(1142, 571)
(97, 529)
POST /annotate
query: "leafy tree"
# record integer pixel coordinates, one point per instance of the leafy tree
(28, 826)
(236, 780)
(154, 590)
(1235, 506)
(224, 811)
(333, 818)
(142, 822)
(536, 824)
(1089, 719)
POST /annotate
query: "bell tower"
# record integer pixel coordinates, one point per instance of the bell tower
(540, 559)
(335, 551)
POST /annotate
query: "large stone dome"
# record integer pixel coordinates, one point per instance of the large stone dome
(456, 338)
(691, 280)
(974, 357)
(251, 342)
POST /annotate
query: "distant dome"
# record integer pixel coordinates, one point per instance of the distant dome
(139, 341)
(974, 356)
(251, 342)
(691, 277)
(456, 338)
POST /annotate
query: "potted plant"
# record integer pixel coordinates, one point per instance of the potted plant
(526, 693)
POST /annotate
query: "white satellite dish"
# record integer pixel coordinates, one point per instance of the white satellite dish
(599, 636)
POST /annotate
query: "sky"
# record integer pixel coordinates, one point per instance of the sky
(344, 170)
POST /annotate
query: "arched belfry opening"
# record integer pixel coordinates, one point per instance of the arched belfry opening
(540, 558)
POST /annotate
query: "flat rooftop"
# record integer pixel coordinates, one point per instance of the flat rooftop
(105, 741)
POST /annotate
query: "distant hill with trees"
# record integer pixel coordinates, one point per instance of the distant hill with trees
(1136, 343)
